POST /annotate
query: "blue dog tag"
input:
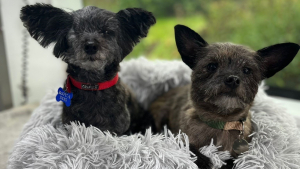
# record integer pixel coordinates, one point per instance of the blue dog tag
(64, 97)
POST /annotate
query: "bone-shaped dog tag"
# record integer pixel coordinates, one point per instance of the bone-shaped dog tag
(240, 146)
(64, 97)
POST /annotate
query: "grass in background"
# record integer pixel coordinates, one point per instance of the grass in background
(160, 42)
(254, 23)
(258, 24)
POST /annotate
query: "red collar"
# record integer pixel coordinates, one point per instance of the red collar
(90, 86)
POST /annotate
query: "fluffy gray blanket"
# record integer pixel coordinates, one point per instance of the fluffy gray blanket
(46, 143)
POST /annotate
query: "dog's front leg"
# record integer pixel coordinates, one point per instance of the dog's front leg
(202, 161)
(229, 164)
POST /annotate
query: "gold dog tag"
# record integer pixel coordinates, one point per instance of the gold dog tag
(240, 146)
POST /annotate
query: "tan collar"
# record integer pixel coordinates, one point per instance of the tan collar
(231, 125)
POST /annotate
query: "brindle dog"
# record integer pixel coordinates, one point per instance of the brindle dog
(225, 79)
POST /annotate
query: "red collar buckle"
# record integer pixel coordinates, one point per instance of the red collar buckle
(90, 86)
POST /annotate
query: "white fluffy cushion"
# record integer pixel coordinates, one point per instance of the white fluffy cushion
(45, 143)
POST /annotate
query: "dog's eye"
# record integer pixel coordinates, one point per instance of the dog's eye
(246, 70)
(212, 67)
(103, 32)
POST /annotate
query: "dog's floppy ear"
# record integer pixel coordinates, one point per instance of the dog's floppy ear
(188, 44)
(276, 57)
(135, 23)
(47, 24)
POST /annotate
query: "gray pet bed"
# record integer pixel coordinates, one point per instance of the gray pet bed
(45, 143)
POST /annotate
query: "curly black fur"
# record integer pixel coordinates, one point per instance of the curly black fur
(134, 21)
(47, 24)
(113, 35)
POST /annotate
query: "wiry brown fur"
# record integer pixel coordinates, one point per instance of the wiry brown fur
(210, 96)
(176, 110)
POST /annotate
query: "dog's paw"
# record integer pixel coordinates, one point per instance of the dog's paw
(229, 164)
(202, 161)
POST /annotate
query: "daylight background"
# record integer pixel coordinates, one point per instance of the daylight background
(254, 23)
(28, 71)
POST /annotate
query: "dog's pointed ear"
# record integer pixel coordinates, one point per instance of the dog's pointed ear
(47, 25)
(188, 44)
(135, 23)
(276, 57)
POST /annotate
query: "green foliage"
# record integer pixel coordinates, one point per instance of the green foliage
(160, 8)
(166, 8)
(160, 42)
(255, 23)
(258, 24)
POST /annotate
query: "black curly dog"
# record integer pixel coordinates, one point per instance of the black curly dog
(93, 41)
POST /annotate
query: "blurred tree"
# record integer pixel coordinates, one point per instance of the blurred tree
(254, 23)
(258, 24)
(159, 8)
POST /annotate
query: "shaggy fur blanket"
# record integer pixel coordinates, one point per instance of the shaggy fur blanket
(46, 143)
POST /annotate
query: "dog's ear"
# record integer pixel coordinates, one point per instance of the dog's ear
(276, 57)
(134, 23)
(47, 25)
(189, 43)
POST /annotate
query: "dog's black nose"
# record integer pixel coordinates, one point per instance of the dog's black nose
(90, 48)
(232, 81)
